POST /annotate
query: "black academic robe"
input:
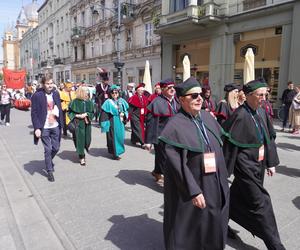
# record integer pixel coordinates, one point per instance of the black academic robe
(102, 94)
(223, 112)
(159, 112)
(250, 203)
(186, 226)
(137, 114)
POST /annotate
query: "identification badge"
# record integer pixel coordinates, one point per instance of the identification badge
(105, 96)
(210, 163)
(142, 111)
(261, 153)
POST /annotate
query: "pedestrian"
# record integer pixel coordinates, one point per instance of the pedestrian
(267, 105)
(241, 95)
(249, 148)
(81, 113)
(208, 103)
(66, 96)
(5, 105)
(227, 106)
(287, 99)
(129, 92)
(112, 122)
(102, 92)
(294, 113)
(157, 92)
(159, 112)
(196, 192)
(47, 121)
(137, 113)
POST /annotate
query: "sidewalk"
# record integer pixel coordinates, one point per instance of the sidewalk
(109, 204)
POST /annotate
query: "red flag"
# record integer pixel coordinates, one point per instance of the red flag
(14, 79)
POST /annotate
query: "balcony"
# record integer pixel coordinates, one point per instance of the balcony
(58, 61)
(78, 32)
(43, 64)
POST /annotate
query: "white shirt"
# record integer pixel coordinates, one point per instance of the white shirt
(52, 113)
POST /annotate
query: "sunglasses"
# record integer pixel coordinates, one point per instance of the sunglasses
(170, 87)
(114, 93)
(194, 95)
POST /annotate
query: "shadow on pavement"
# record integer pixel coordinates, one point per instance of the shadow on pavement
(296, 202)
(128, 142)
(33, 167)
(287, 146)
(96, 152)
(140, 177)
(292, 172)
(68, 155)
(239, 244)
(136, 232)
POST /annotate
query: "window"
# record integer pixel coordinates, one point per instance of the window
(62, 50)
(82, 19)
(75, 54)
(148, 34)
(92, 50)
(103, 10)
(92, 78)
(83, 51)
(129, 39)
(67, 74)
(67, 48)
(77, 78)
(101, 47)
(57, 26)
(177, 5)
(62, 24)
(57, 51)
(67, 21)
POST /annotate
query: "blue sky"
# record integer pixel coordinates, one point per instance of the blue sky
(9, 12)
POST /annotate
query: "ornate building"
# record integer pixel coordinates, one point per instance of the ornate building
(11, 42)
(95, 39)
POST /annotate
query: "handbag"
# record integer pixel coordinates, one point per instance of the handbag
(72, 126)
(296, 103)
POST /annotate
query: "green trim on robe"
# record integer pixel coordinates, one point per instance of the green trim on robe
(110, 107)
(83, 130)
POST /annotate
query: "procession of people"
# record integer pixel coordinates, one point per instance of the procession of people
(198, 144)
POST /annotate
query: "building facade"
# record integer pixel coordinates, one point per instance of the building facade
(54, 34)
(216, 34)
(95, 39)
(27, 19)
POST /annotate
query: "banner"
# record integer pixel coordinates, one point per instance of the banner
(14, 79)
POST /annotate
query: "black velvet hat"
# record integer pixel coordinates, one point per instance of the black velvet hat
(165, 83)
(230, 86)
(253, 85)
(191, 85)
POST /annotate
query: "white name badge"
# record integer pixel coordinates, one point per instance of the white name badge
(105, 96)
(261, 153)
(209, 163)
(142, 111)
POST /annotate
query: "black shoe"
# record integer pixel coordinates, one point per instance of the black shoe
(232, 234)
(51, 177)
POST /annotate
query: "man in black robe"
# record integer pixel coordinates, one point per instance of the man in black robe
(159, 112)
(196, 192)
(102, 93)
(249, 149)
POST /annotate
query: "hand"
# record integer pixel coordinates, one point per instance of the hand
(38, 133)
(271, 171)
(199, 201)
(148, 146)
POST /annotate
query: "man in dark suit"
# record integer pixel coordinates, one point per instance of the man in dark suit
(47, 121)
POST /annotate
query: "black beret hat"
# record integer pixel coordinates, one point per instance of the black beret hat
(253, 85)
(188, 84)
(230, 86)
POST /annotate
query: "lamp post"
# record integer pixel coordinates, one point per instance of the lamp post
(118, 64)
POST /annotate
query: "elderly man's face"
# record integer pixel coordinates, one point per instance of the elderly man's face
(256, 98)
(169, 91)
(192, 103)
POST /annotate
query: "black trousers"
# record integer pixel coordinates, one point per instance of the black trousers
(159, 159)
(286, 111)
(5, 112)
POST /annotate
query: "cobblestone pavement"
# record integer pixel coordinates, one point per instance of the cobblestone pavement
(109, 204)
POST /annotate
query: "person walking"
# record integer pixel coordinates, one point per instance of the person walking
(287, 99)
(137, 113)
(112, 122)
(196, 192)
(66, 96)
(47, 121)
(102, 92)
(294, 113)
(208, 103)
(159, 111)
(5, 99)
(249, 148)
(129, 92)
(81, 113)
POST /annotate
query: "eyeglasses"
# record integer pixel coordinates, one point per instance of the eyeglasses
(170, 87)
(114, 93)
(194, 95)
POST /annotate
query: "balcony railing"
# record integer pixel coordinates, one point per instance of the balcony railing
(58, 61)
(43, 64)
(78, 32)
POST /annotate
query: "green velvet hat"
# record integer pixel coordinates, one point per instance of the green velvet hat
(188, 87)
(254, 85)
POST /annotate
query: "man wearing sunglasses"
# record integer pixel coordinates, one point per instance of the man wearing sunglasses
(196, 192)
(249, 149)
(159, 112)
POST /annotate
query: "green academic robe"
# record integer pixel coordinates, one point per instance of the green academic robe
(82, 136)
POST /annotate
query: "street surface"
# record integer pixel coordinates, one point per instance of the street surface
(109, 204)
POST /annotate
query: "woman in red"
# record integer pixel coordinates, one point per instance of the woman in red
(137, 113)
